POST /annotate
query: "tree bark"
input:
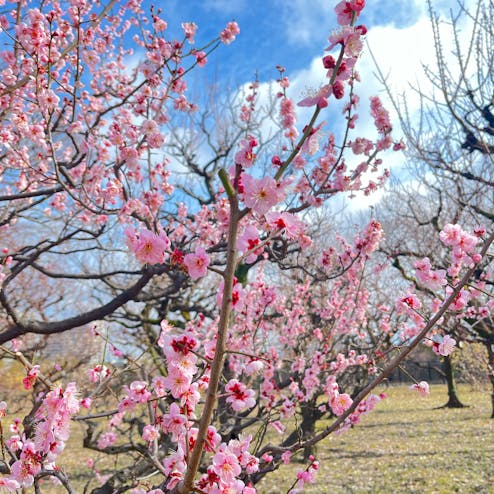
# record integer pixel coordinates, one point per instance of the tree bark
(453, 400)
(310, 416)
(490, 364)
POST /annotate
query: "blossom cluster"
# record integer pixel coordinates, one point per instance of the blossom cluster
(52, 430)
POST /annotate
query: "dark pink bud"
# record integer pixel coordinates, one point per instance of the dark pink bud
(329, 62)
(338, 90)
(276, 160)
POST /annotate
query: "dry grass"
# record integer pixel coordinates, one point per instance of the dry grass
(408, 445)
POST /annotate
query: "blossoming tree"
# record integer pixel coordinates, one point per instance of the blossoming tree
(453, 162)
(87, 182)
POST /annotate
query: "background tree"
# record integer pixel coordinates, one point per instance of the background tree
(449, 177)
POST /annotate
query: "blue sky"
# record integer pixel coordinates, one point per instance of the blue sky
(293, 33)
(290, 33)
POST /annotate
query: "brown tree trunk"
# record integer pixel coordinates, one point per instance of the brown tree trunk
(307, 428)
(490, 364)
(453, 400)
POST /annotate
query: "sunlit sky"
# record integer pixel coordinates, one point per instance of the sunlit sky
(294, 34)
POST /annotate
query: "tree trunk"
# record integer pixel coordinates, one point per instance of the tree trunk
(490, 364)
(453, 400)
(307, 428)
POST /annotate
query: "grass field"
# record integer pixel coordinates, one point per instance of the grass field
(407, 445)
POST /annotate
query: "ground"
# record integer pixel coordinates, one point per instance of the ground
(408, 445)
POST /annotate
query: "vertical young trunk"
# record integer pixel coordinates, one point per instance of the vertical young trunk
(453, 400)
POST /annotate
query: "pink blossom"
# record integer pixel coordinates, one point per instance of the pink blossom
(8, 484)
(443, 345)
(451, 234)
(239, 396)
(229, 33)
(278, 426)
(190, 29)
(319, 99)
(286, 457)
(381, 115)
(175, 467)
(248, 241)
(201, 58)
(86, 403)
(150, 433)
(177, 381)
(246, 156)
(253, 367)
(106, 439)
(422, 387)
(138, 392)
(288, 222)
(408, 304)
(226, 466)
(98, 373)
(159, 24)
(22, 473)
(260, 194)
(31, 377)
(125, 404)
(345, 10)
(148, 247)
(174, 422)
(340, 403)
(197, 263)
(287, 113)
(352, 42)
(425, 274)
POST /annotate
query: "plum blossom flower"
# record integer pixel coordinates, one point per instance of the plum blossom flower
(98, 373)
(106, 439)
(31, 377)
(138, 392)
(226, 466)
(197, 263)
(148, 247)
(346, 10)
(174, 422)
(240, 397)
(245, 156)
(248, 241)
(261, 194)
(340, 403)
(408, 304)
(443, 345)
(190, 29)
(422, 387)
(150, 433)
(380, 115)
(8, 484)
(319, 98)
(177, 381)
(229, 33)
